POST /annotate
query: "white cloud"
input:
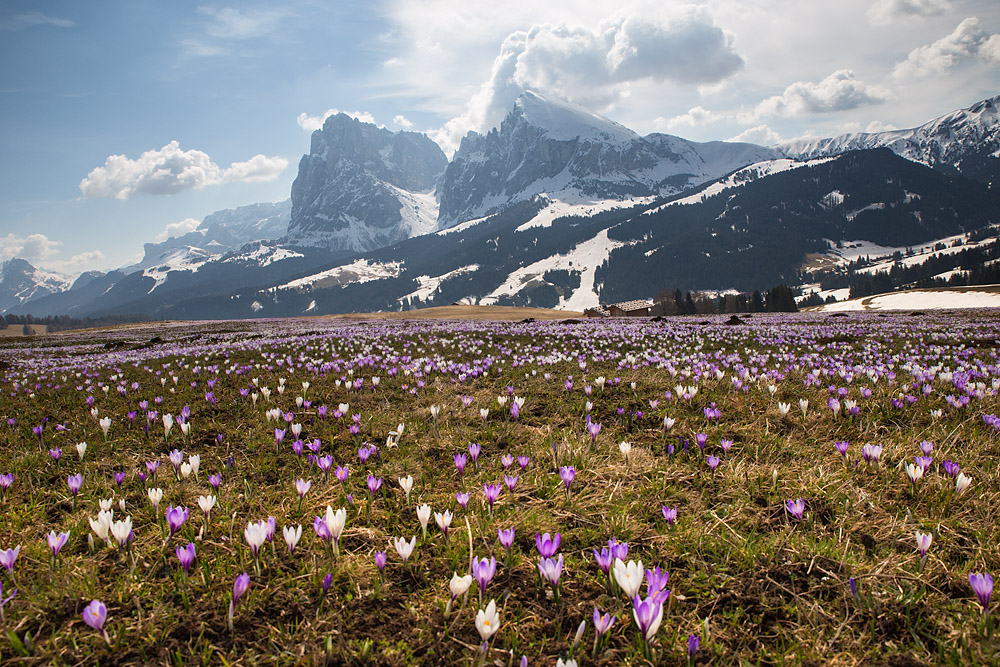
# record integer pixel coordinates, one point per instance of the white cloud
(966, 42)
(879, 126)
(695, 117)
(170, 170)
(313, 123)
(839, 91)
(179, 228)
(594, 67)
(761, 135)
(26, 20)
(34, 248)
(402, 121)
(889, 11)
(227, 26)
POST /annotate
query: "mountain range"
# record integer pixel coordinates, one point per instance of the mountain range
(556, 207)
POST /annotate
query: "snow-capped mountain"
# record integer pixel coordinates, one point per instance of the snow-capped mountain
(966, 141)
(219, 233)
(362, 187)
(21, 282)
(549, 148)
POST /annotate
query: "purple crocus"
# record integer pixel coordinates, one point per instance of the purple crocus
(551, 570)
(56, 454)
(982, 586)
(215, 480)
(95, 614)
(567, 474)
(670, 514)
(713, 462)
(701, 439)
(648, 614)
(796, 508)
(604, 559)
(462, 498)
(380, 559)
(374, 484)
(240, 587)
(506, 538)
(8, 556)
(176, 516)
(492, 492)
(460, 462)
(186, 556)
(510, 481)
(547, 545)
(56, 541)
(694, 641)
(483, 571)
(6, 481)
(523, 461)
(593, 428)
(842, 446)
(602, 622)
(75, 483)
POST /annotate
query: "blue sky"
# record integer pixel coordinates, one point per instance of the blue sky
(225, 94)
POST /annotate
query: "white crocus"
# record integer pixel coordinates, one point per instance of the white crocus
(121, 530)
(488, 621)
(625, 448)
(423, 516)
(459, 585)
(185, 470)
(406, 483)
(206, 503)
(404, 548)
(292, 536)
(155, 496)
(195, 461)
(629, 576)
(81, 449)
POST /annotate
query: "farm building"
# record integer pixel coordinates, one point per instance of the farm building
(636, 308)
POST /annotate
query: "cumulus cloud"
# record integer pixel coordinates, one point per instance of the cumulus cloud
(968, 41)
(402, 121)
(170, 170)
(761, 135)
(34, 248)
(313, 123)
(26, 20)
(594, 67)
(838, 92)
(179, 228)
(888, 11)
(696, 117)
(879, 126)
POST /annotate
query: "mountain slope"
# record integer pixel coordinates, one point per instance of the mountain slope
(20, 282)
(965, 141)
(552, 148)
(362, 187)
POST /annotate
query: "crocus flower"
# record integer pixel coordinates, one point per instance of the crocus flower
(292, 537)
(506, 538)
(628, 576)
(95, 614)
(492, 492)
(551, 569)
(670, 514)
(462, 498)
(460, 462)
(206, 503)
(523, 461)
(374, 484)
(255, 534)
(6, 481)
(914, 472)
(380, 560)
(604, 559)
(155, 496)
(406, 483)
(602, 622)
(176, 516)
(713, 462)
(982, 586)
(55, 454)
(8, 556)
(56, 541)
(567, 474)
(796, 508)
(186, 556)
(962, 482)
(404, 548)
(693, 643)
(443, 521)
(547, 545)
(593, 428)
(483, 571)
(656, 581)
(240, 587)
(924, 543)
(459, 585)
(424, 516)
(488, 621)
(122, 531)
(74, 482)
(842, 446)
(648, 614)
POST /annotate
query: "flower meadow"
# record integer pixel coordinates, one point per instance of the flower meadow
(803, 489)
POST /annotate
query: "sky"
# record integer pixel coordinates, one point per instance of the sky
(125, 122)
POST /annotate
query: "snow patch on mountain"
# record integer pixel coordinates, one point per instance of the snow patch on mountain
(429, 284)
(576, 206)
(357, 272)
(583, 258)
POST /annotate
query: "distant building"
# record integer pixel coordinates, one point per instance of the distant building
(636, 308)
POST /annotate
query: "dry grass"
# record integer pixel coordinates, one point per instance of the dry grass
(756, 586)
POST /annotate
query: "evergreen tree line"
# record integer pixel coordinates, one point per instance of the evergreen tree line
(779, 299)
(54, 323)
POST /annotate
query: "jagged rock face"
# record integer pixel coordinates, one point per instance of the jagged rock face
(362, 187)
(966, 141)
(550, 147)
(21, 282)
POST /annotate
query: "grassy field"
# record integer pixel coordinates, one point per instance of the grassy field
(730, 425)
